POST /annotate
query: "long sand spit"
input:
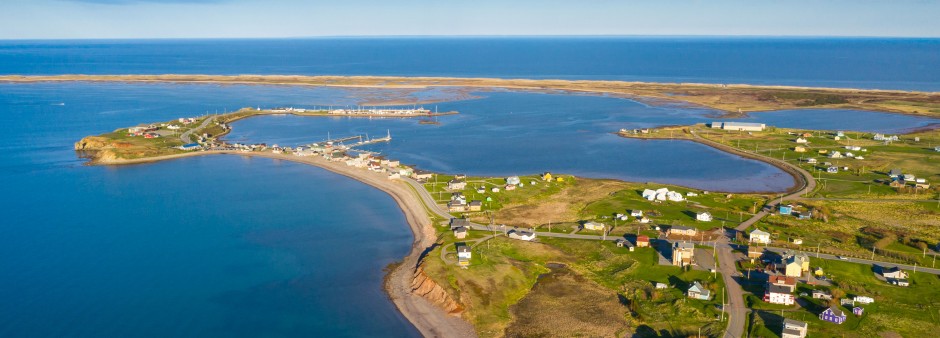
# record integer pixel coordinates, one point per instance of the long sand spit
(732, 99)
(429, 319)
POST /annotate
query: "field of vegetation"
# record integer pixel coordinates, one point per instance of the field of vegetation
(524, 288)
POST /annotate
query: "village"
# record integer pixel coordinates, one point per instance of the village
(673, 231)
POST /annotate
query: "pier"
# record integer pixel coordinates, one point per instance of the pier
(363, 141)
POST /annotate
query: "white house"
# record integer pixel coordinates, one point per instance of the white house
(703, 216)
(591, 225)
(863, 299)
(801, 140)
(759, 236)
(636, 213)
(793, 329)
(463, 251)
(521, 235)
(777, 294)
(513, 180)
(463, 254)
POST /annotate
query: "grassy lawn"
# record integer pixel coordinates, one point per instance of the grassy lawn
(497, 200)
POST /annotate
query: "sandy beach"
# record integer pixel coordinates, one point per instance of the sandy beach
(429, 319)
(732, 100)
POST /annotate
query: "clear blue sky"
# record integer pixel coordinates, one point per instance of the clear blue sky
(43, 19)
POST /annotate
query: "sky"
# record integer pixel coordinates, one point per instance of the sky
(110, 19)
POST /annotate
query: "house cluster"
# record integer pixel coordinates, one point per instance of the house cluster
(895, 276)
(797, 211)
(885, 138)
(459, 203)
(738, 126)
(662, 194)
(390, 112)
(147, 131)
(899, 180)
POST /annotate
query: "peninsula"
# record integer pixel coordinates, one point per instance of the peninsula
(529, 255)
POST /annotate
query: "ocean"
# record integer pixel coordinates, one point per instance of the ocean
(882, 63)
(232, 246)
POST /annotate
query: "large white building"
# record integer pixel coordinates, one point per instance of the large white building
(740, 126)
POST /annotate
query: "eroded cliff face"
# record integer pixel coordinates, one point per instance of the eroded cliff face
(97, 149)
(92, 143)
(424, 286)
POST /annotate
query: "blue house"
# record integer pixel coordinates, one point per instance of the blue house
(858, 311)
(697, 291)
(786, 209)
(833, 315)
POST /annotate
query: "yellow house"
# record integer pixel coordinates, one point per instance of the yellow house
(547, 176)
(560, 179)
(799, 149)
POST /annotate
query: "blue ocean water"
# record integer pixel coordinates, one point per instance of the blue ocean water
(181, 248)
(229, 246)
(907, 64)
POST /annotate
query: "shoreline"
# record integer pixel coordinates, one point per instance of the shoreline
(733, 100)
(427, 318)
(803, 180)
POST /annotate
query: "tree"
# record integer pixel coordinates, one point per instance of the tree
(837, 293)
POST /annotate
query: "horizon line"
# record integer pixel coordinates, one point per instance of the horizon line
(493, 36)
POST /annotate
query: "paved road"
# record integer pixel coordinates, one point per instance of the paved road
(185, 136)
(737, 311)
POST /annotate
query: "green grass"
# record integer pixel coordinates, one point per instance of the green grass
(728, 210)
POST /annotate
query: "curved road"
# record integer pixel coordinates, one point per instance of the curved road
(737, 311)
(185, 135)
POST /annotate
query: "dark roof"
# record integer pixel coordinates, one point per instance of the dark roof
(460, 229)
(774, 288)
(836, 311)
(476, 202)
(679, 227)
(459, 222)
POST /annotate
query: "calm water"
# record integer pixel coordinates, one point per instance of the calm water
(512, 133)
(229, 246)
(181, 248)
(909, 64)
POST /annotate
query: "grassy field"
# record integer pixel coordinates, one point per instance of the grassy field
(898, 311)
(562, 206)
(504, 294)
(865, 178)
(853, 228)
